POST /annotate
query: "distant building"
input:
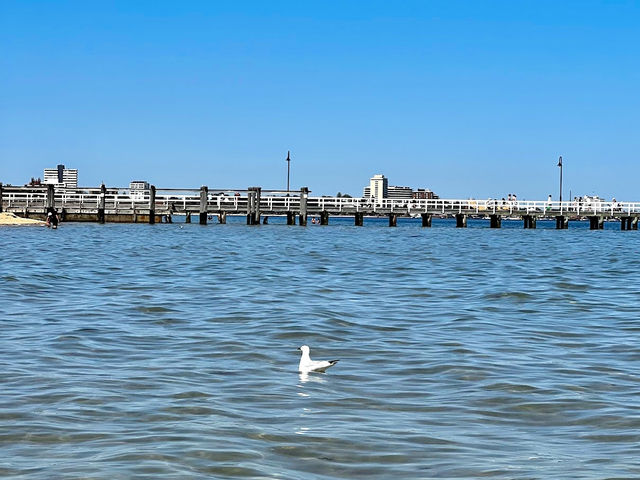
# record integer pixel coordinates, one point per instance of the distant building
(400, 192)
(378, 187)
(61, 176)
(139, 185)
(137, 189)
(424, 194)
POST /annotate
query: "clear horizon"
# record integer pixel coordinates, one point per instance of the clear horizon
(466, 99)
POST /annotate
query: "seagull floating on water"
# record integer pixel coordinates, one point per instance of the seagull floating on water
(307, 365)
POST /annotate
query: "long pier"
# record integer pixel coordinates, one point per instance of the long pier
(107, 204)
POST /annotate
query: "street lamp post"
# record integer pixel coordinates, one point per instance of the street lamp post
(288, 169)
(560, 165)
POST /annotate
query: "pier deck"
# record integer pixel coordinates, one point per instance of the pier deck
(155, 205)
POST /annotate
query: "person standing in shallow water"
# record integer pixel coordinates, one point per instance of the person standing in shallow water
(52, 218)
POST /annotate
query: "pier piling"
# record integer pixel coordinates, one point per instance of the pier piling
(562, 222)
(51, 197)
(596, 223)
(291, 218)
(426, 219)
(253, 205)
(222, 218)
(0, 197)
(628, 223)
(529, 221)
(250, 201)
(204, 197)
(393, 220)
(256, 207)
(152, 205)
(495, 221)
(461, 220)
(359, 219)
(304, 195)
(324, 218)
(101, 203)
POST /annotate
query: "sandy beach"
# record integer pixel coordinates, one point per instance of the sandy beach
(11, 219)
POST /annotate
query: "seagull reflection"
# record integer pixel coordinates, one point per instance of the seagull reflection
(305, 377)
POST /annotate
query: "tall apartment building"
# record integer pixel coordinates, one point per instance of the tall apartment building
(61, 176)
(378, 187)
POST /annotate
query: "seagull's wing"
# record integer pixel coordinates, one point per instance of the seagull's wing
(321, 365)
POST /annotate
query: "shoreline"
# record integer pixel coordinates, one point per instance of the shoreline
(10, 219)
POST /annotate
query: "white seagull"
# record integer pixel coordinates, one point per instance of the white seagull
(307, 365)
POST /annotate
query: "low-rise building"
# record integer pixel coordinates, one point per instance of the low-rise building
(138, 185)
(424, 194)
(400, 192)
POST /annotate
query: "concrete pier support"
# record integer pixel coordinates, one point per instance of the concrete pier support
(393, 219)
(304, 195)
(359, 219)
(101, 203)
(152, 205)
(291, 218)
(324, 218)
(495, 221)
(461, 220)
(0, 197)
(562, 222)
(596, 223)
(204, 197)
(222, 218)
(529, 221)
(187, 218)
(426, 219)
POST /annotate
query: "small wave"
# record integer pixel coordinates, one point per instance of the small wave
(154, 309)
(576, 287)
(516, 296)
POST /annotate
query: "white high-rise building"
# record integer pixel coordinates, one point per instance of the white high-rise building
(378, 187)
(61, 176)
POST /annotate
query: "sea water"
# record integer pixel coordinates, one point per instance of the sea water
(169, 351)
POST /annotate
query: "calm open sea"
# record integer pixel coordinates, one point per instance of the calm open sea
(169, 351)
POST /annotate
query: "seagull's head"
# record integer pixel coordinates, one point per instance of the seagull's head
(304, 349)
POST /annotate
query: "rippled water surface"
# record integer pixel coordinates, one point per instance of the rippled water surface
(169, 352)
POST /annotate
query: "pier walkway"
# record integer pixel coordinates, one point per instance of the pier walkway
(106, 204)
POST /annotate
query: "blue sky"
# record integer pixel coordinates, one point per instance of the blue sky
(468, 98)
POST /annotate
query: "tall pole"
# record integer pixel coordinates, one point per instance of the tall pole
(560, 165)
(288, 168)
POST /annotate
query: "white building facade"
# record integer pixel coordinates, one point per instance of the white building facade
(378, 187)
(61, 176)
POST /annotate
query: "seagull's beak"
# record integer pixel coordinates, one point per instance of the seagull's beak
(299, 349)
